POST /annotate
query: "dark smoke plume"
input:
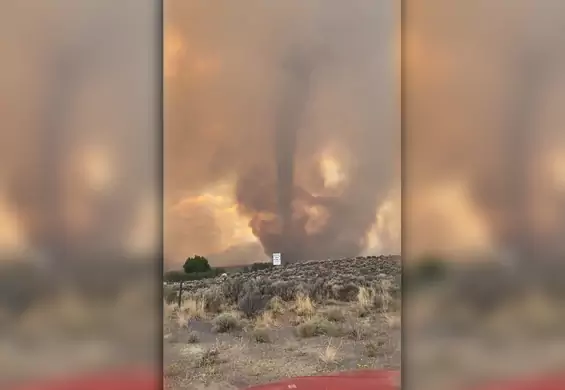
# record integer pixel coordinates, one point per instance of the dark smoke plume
(286, 139)
(259, 103)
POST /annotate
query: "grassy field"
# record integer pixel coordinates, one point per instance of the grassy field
(301, 319)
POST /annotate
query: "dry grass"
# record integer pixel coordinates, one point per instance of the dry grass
(357, 331)
(393, 320)
(303, 306)
(291, 334)
(366, 297)
(330, 354)
(168, 310)
(210, 357)
(194, 308)
(277, 306)
(266, 319)
(385, 298)
(182, 319)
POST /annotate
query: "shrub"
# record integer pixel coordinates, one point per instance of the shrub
(193, 338)
(284, 289)
(317, 327)
(210, 357)
(226, 322)
(213, 298)
(276, 305)
(371, 349)
(356, 331)
(335, 315)
(261, 335)
(260, 266)
(252, 303)
(346, 292)
(266, 319)
(328, 328)
(307, 329)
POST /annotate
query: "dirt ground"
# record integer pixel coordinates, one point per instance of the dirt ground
(225, 350)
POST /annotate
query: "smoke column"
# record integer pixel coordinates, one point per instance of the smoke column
(256, 112)
(295, 98)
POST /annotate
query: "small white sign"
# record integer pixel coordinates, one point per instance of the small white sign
(276, 259)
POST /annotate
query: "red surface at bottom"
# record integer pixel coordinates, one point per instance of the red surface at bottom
(130, 380)
(550, 382)
(357, 380)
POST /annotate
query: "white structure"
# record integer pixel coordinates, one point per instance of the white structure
(276, 259)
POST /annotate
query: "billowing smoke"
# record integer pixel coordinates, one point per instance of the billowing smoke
(484, 84)
(289, 108)
(299, 68)
(80, 124)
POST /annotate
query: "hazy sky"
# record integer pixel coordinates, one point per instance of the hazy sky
(279, 111)
(79, 91)
(484, 151)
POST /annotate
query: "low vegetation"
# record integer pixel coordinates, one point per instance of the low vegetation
(251, 327)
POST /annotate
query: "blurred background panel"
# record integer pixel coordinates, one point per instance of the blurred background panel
(484, 199)
(80, 185)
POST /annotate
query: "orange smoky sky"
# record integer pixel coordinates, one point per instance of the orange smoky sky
(281, 129)
(484, 90)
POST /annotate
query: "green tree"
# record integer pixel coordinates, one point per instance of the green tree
(196, 264)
